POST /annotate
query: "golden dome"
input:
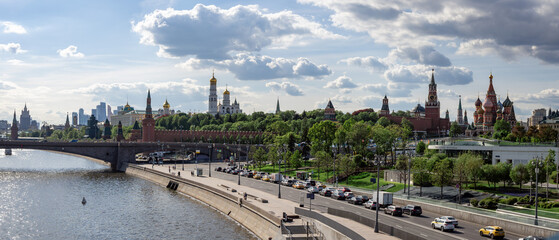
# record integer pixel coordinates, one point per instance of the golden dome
(226, 92)
(166, 104)
(213, 80)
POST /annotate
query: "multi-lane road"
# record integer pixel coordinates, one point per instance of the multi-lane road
(419, 225)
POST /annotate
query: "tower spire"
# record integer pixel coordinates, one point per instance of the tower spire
(278, 107)
(432, 76)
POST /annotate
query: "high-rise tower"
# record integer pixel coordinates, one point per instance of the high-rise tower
(384, 110)
(14, 130)
(24, 119)
(460, 117)
(148, 123)
(212, 108)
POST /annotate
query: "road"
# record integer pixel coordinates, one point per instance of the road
(420, 225)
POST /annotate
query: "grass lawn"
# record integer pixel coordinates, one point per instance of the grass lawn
(508, 191)
(543, 212)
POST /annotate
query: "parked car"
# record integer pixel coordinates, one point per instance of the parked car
(218, 169)
(313, 190)
(442, 224)
(412, 210)
(249, 175)
(257, 176)
(319, 184)
(327, 192)
(492, 232)
(393, 210)
(337, 194)
(357, 200)
(266, 178)
(287, 182)
(370, 204)
(452, 219)
(365, 198)
(348, 195)
(344, 189)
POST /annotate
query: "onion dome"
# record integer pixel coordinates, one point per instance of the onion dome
(418, 109)
(478, 102)
(507, 102)
(127, 108)
(226, 92)
(166, 104)
(499, 104)
(488, 104)
(213, 80)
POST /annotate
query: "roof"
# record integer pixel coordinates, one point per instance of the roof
(418, 109)
(329, 105)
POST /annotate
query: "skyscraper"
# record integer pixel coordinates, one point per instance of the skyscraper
(24, 119)
(101, 114)
(74, 118)
(82, 120)
(109, 112)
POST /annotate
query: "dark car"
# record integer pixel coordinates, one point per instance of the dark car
(393, 210)
(327, 192)
(344, 189)
(412, 210)
(218, 169)
(337, 194)
(249, 174)
(357, 200)
(532, 238)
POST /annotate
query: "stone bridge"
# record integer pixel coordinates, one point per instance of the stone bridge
(119, 154)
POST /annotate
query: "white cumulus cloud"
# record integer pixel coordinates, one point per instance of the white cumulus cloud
(10, 27)
(70, 52)
(12, 48)
(341, 82)
(288, 87)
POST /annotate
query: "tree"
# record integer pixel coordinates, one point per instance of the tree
(461, 172)
(383, 121)
(272, 156)
(503, 170)
(421, 175)
(359, 136)
(547, 134)
(473, 168)
(420, 148)
(441, 176)
(501, 129)
(383, 140)
(259, 156)
(402, 167)
(455, 129)
(348, 166)
(549, 166)
(491, 174)
(323, 159)
(296, 159)
(322, 135)
(519, 174)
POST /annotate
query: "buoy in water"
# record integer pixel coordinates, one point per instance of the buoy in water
(84, 201)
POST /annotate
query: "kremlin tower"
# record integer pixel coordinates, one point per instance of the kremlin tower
(148, 123)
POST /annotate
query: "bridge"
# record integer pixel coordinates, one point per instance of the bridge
(120, 154)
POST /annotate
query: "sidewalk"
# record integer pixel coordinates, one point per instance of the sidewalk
(274, 206)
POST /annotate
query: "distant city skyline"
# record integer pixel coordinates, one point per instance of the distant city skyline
(58, 57)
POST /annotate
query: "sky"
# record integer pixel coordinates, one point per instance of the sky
(59, 56)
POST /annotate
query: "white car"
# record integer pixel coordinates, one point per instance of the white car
(442, 224)
(452, 219)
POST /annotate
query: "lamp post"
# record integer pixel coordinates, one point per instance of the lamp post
(210, 167)
(238, 155)
(378, 163)
(409, 175)
(182, 148)
(537, 170)
(279, 171)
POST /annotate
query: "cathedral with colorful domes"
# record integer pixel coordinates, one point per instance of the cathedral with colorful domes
(491, 110)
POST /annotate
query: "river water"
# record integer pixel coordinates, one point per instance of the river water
(41, 194)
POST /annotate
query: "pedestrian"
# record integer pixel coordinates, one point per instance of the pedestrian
(245, 196)
(179, 173)
(169, 169)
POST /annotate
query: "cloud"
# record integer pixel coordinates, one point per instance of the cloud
(5, 85)
(10, 27)
(514, 28)
(341, 82)
(70, 52)
(377, 64)
(484, 47)
(548, 97)
(342, 99)
(288, 87)
(426, 55)
(246, 66)
(12, 48)
(210, 32)
(420, 73)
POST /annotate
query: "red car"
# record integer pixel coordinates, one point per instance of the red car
(344, 189)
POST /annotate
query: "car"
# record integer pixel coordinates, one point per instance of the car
(249, 175)
(413, 210)
(348, 195)
(492, 232)
(313, 190)
(365, 198)
(393, 210)
(299, 185)
(357, 200)
(532, 238)
(319, 184)
(266, 178)
(327, 192)
(287, 182)
(452, 219)
(257, 176)
(344, 189)
(337, 194)
(370, 204)
(218, 169)
(442, 224)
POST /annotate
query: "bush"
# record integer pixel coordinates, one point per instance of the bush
(474, 202)
(489, 203)
(509, 201)
(525, 199)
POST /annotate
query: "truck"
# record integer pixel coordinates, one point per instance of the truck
(385, 198)
(275, 177)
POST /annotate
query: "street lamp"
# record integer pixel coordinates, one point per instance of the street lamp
(210, 167)
(237, 159)
(378, 163)
(279, 171)
(537, 170)
(409, 175)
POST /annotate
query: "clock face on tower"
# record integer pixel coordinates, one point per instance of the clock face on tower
(432, 97)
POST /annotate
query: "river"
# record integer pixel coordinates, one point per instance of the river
(41, 198)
